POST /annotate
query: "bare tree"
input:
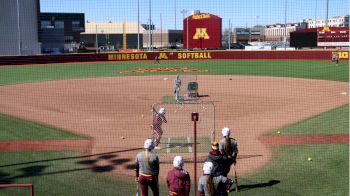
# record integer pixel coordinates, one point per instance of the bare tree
(225, 38)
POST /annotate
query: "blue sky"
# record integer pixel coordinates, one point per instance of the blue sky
(241, 13)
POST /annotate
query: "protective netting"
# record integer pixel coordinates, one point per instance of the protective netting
(79, 79)
(178, 132)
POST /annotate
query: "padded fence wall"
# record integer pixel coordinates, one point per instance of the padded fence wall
(184, 55)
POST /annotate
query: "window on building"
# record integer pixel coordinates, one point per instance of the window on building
(45, 24)
(76, 25)
(59, 24)
(68, 39)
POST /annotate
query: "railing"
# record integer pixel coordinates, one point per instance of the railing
(31, 187)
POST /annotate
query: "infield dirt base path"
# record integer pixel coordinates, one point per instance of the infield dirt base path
(107, 108)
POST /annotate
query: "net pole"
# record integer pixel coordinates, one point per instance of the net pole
(195, 117)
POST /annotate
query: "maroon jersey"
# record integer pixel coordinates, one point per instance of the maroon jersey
(178, 182)
(158, 120)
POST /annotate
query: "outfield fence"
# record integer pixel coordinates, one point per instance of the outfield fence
(175, 55)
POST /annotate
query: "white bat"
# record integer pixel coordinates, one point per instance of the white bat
(137, 189)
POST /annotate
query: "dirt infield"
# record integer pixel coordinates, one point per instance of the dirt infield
(307, 139)
(21, 145)
(107, 108)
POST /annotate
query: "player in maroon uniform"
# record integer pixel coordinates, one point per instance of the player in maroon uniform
(178, 179)
(158, 119)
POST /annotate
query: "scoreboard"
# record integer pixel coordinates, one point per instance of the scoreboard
(203, 31)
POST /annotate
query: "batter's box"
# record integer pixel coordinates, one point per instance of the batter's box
(183, 145)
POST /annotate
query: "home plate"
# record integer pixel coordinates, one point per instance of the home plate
(344, 93)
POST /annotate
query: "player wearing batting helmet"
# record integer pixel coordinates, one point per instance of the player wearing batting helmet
(158, 119)
(178, 179)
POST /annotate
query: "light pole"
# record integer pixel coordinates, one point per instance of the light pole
(96, 40)
(187, 32)
(195, 118)
(161, 31)
(327, 13)
(149, 27)
(257, 27)
(183, 13)
(175, 14)
(315, 13)
(102, 35)
(19, 30)
(229, 34)
(285, 24)
(138, 24)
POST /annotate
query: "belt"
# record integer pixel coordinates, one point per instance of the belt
(173, 193)
(146, 175)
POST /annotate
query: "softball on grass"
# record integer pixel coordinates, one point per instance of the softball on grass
(278, 132)
(309, 159)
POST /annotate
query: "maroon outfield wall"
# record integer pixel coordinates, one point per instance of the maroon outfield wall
(183, 55)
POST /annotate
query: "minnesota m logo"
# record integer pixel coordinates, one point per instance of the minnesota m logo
(201, 33)
(326, 29)
(162, 56)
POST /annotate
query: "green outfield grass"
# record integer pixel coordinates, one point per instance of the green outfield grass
(292, 174)
(12, 128)
(323, 70)
(335, 121)
(63, 173)
(58, 173)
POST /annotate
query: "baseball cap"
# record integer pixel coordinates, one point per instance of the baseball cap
(178, 161)
(148, 144)
(207, 167)
(161, 111)
(226, 131)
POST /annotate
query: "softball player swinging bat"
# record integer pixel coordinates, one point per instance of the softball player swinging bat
(158, 119)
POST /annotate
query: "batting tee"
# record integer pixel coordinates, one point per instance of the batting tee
(178, 132)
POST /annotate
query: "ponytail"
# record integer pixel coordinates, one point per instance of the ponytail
(228, 147)
(147, 158)
(210, 185)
